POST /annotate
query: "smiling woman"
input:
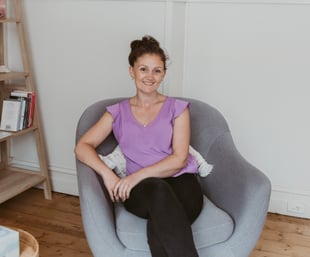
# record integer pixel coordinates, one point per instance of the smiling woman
(153, 132)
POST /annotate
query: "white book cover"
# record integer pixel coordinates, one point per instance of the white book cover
(10, 118)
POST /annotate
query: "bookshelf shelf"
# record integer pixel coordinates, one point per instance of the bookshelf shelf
(10, 178)
(5, 135)
(10, 20)
(14, 180)
(13, 75)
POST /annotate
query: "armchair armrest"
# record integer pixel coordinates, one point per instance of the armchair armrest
(97, 214)
(241, 190)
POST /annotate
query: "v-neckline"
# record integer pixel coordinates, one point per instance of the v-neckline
(152, 121)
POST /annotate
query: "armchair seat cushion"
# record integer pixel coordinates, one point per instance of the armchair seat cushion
(211, 227)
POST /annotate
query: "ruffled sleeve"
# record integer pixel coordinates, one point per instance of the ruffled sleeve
(114, 110)
(179, 107)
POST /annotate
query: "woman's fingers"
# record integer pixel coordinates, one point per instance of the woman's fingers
(122, 190)
(110, 185)
(111, 195)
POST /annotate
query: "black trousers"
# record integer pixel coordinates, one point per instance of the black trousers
(171, 205)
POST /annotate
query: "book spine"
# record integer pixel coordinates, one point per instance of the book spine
(32, 99)
(25, 122)
(22, 113)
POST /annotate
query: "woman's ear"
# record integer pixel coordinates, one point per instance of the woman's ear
(132, 75)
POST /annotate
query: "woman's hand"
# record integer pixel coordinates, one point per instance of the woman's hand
(124, 186)
(110, 184)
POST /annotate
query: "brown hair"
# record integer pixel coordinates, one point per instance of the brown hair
(147, 45)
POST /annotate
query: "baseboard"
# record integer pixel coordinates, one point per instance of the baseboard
(290, 202)
(63, 180)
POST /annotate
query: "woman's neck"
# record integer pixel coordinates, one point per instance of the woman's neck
(147, 100)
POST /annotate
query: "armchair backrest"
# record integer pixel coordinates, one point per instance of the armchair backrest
(207, 124)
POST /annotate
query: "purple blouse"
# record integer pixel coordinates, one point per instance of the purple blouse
(145, 145)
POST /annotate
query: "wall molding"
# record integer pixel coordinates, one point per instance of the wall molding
(276, 188)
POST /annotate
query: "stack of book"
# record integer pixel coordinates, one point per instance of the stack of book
(17, 111)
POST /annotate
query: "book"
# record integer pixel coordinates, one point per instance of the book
(2, 9)
(10, 118)
(23, 115)
(28, 100)
(21, 96)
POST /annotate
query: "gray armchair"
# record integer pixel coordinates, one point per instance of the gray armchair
(235, 203)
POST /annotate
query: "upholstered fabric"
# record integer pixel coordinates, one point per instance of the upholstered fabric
(211, 227)
(236, 194)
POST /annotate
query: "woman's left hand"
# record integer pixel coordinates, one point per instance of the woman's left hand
(124, 186)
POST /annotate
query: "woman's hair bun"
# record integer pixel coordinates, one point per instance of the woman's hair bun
(146, 41)
(150, 40)
(146, 45)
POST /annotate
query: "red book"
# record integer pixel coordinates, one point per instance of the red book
(2, 9)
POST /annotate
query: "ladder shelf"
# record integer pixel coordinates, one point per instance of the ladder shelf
(15, 180)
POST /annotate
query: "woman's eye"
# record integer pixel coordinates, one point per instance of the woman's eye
(158, 71)
(142, 69)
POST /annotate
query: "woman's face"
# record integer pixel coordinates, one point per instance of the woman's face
(148, 72)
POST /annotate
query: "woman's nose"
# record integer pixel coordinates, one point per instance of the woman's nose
(150, 75)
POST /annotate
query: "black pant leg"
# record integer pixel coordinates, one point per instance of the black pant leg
(189, 192)
(156, 200)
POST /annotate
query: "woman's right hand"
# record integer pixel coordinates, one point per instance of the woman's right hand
(109, 183)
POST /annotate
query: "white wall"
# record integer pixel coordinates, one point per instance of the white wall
(250, 60)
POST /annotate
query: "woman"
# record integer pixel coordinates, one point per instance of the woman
(153, 132)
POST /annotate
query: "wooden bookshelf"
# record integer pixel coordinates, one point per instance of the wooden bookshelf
(15, 180)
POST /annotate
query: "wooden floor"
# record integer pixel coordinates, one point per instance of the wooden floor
(57, 225)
